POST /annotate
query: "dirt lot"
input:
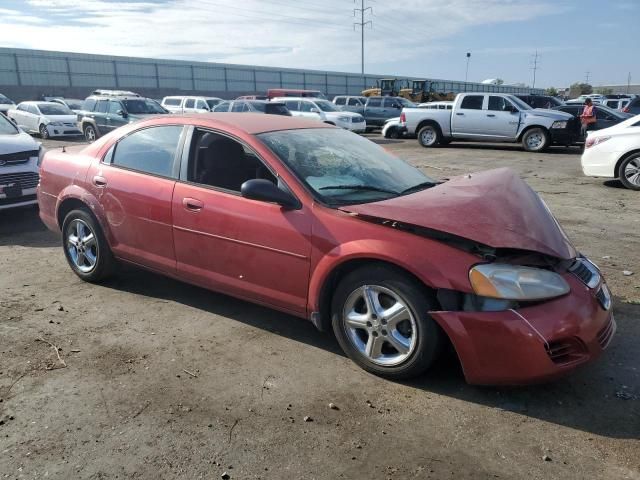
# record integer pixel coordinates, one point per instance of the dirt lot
(165, 380)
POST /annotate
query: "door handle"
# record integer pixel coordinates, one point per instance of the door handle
(192, 204)
(490, 115)
(461, 114)
(99, 181)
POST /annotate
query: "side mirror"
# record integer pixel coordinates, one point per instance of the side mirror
(122, 113)
(315, 110)
(266, 191)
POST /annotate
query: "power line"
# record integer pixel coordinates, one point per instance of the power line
(535, 67)
(362, 24)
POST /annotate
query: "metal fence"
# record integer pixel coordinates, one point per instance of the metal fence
(28, 71)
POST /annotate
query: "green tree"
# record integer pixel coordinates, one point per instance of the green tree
(604, 90)
(551, 91)
(578, 89)
(499, 81)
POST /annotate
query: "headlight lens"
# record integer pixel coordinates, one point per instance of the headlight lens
(559, 124)
(344, 119)
(511, 282)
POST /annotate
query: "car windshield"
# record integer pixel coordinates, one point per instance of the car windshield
(326, 106)
(4, 100)
(343, 168)
(519, 103)
(6, 127)
(212, 102)
(74, 104)
(143, 105)
(54, 109)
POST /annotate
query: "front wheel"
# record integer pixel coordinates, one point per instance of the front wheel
(630, 172)
(429, 136)
(380, 319)
(86, 247)
(90, 133)
(44, 132)
(535, 140)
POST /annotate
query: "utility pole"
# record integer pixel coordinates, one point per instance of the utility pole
(587, 75)
(362, 24)
(466, 75)
(534, 67)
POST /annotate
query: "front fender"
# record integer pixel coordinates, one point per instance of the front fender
(440, 266)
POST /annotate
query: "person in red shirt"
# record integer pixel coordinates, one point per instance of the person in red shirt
(588, 117)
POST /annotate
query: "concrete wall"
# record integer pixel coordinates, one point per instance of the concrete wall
(28, 74)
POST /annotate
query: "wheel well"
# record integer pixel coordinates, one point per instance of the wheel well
(342, 270)
(424, 123)
(529, 128)
(622, 159)
(67, 205)
(330, 123)
(86, 123)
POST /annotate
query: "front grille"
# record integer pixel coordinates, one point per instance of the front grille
(357, 119)
(586, 272)
(25, 179)
(606, 334)
(565, 351)
(10, 159)
(11, 201)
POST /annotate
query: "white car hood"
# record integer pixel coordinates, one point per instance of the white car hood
(62, 118)
(342, 114)
(20, 142)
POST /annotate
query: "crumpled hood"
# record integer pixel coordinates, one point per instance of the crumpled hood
(494, 208)
(20, 142)
(546, 113)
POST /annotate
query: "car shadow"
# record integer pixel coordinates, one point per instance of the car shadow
(585, 400)
(512, 147)
(22, 226)
(614, 184)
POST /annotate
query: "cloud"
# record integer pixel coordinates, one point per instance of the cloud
(316, 34)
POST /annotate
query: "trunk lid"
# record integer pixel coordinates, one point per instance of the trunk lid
(495, 208)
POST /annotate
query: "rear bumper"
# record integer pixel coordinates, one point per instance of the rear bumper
(517, 347)
(597, 162)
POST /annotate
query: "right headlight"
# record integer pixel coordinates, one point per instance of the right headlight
(513, 282)
(559, 124)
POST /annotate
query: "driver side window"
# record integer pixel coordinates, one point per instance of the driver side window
(222, 162)
(306, 106)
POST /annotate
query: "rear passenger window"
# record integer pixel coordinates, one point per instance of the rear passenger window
(89, 104)
(292, 105)
(340, 101)
(173, 102)
(472, 102)
(238, 107)
(152, 150)
(375, 102)
(102, 106)
(354, 102)
(190, 103)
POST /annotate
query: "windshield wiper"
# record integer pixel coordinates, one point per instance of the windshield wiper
(358, 187)
(419, 186)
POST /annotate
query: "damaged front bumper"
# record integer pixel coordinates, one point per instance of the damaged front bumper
(535, 343)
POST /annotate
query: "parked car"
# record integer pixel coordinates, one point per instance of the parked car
(605, 117)
(189, 104)
(540, 101)
(326, 225)
(48, 119)
(378, 110)
(616, 103)
(105, 111)
(19, 158)
(253, 106)
(490, 117)
(633, 107)
(72, 104)
(325, 111)
(293, 92)
(615, 153)
(6, 104)
(350, 103)
(392, 128)
(252, 97)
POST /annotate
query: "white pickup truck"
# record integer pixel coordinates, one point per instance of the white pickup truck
(489, 117)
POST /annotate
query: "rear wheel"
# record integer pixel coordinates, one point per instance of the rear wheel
(630, 172)
(535, 140)
(86, 247)
(380, 319)
(429, 136)
(44, 132)
(90, 133)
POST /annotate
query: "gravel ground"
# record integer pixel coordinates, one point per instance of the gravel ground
(159, 379)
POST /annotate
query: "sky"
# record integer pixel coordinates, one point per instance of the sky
(421, 38)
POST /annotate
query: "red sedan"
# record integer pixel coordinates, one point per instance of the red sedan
(326, 225)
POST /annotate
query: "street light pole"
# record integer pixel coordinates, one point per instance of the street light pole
(466, 75)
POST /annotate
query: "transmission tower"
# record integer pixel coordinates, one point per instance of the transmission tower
(534, 67)
(362, 10)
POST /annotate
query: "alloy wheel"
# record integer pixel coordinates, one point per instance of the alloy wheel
(90, 134)
(632, 171)
(534, 141)
(44, 133)
(82, 246)
(380, 325)
(428, 136)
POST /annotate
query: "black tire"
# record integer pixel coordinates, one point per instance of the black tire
(429, 136)
(44, 133)
(629, 172)
(393, 133)
(90, 133)
(104, 264)
(426, 341)
(535, 139)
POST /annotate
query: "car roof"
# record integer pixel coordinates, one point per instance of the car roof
(251, 123)
(282, 99)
